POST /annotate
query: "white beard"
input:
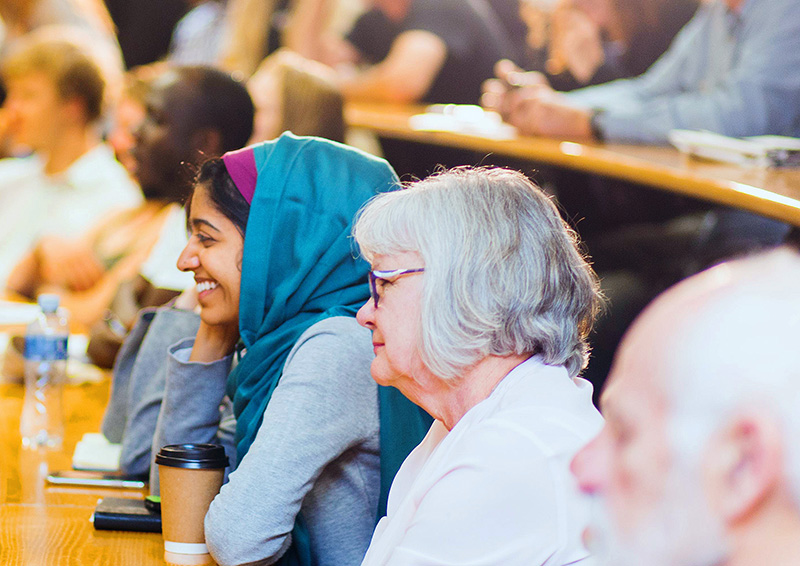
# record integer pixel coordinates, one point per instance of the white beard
(680, 531)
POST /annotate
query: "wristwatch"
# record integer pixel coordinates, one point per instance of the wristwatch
(114, 324)
(594, 124)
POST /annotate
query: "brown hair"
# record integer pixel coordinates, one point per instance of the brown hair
(246, 35)
(71, 67)
(312, 103)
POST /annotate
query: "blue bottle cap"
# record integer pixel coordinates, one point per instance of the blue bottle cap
(48, 302)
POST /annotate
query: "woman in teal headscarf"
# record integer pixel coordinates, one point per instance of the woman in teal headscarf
(316, 441)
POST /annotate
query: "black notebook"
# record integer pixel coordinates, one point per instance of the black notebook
(119, 514)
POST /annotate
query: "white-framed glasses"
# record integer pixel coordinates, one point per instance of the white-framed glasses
(391, 275)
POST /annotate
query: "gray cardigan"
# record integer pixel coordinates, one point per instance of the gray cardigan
(317, 451)
(140, 375)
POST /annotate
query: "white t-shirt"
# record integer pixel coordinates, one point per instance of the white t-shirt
(161, 268)
(33, 204)
(496, 490)
(197, 38)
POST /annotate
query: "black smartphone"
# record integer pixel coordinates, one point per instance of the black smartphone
(96, 479)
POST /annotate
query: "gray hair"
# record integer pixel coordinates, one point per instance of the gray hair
(503, 273)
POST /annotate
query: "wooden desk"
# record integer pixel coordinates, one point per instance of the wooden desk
(771, 192)
(46, 525)
(61, 535)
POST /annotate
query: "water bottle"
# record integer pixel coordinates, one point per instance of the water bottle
(42, 422)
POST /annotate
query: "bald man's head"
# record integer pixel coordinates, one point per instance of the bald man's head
(701, 411)
(724, 337)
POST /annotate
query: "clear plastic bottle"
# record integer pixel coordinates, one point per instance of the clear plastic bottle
(42, 422)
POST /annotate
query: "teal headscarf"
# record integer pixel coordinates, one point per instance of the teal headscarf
(298, 268)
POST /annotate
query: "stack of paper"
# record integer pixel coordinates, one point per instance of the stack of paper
(463, 119)
(760, 151)
(95, 452)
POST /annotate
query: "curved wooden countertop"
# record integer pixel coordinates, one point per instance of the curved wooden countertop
(771, 192)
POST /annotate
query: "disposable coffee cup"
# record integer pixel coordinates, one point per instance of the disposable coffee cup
(190, 477)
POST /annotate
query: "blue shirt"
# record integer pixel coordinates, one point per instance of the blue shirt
(734, 74)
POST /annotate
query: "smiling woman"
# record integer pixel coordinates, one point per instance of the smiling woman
(213, 254)
(316, 442)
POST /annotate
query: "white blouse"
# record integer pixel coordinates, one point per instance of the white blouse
(496, 490)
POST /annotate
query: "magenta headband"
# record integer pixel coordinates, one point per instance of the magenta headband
(241, 166)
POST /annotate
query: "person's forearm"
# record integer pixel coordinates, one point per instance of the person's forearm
(404, 76)
(306, 28)
(25, 277)
(376, 85)
(87, 307)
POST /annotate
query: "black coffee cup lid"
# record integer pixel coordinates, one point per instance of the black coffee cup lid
(193, 456)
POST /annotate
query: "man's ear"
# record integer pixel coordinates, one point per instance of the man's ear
(744, 466)
(207, 141)
(75, 108)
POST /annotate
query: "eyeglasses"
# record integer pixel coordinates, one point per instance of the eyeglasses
(389, 276)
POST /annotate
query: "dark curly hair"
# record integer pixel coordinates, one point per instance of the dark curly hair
(224, 194)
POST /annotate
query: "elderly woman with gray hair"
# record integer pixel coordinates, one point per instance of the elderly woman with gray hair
(480, 308)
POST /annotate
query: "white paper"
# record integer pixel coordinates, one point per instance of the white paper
(95, 452)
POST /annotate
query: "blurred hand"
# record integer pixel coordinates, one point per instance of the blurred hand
(536, 18)
(510, 78)
(6, 133)
(188, 299)
(68, 263)
(547, 113)
(575, 45)
(214, 342)
(508, 72)
(5, 122)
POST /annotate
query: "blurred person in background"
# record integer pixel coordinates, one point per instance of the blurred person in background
(734, 69)
(253, 30)
(406, 50)
(131, 112)
(197, 37)
(698, 463)
(89, 18)
(481, 305)
(191, 113)
(144, 28)
(88, 271)
(589, 42)
(18, 17)
(294, 94)
(55, 103)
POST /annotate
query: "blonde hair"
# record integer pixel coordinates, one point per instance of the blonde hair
(22, 13)
(311, 101)
(66, 60)
(246, 35)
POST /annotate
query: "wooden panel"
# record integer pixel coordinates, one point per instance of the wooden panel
(771, 192)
